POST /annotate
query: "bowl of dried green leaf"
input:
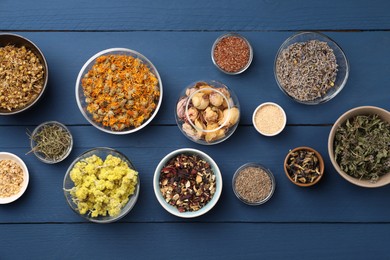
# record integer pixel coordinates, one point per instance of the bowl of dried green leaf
(359, 146)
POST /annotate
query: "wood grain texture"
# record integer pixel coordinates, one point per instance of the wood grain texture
(195, 241)
(184, 57)
(331, 200)
(192, 15)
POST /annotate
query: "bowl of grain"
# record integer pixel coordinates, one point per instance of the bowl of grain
(119, 91)
(269, 119)
(23, 73)
(311, 68)
(232, 53)
(14, 177)
(253, 184)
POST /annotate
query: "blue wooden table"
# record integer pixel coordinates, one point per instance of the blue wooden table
(334, 219)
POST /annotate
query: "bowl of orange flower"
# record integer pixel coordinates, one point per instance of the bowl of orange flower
(119, 91)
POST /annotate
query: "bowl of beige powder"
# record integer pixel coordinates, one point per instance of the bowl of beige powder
(269, 119)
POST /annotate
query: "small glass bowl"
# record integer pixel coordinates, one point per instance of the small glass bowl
(19, 41)
(68, 184)
(81, 99)
(341, 59)
(15, 158)
(40, 155)
(207, 112)
(244, 68)
(270, 175)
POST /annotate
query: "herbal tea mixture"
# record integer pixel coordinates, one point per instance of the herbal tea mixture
(11, 178)
(121, 91)
(362, 147)
(307, 70)
(303, 166)
(21, 77)
(102, 187)
(187, 182)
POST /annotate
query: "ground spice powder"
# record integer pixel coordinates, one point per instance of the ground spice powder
(253, 184)
(11, 178)
(231, 54)
(269, 119)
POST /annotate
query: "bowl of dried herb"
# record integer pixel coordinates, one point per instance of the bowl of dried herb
(359, 146)
(311, 68)
(304, 166)
(187, 183)
(51, 142)
(119, 91)
(23, 74)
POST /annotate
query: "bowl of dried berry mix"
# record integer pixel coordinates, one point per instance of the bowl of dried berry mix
(119, 91)
(187, 183)
(23, 74)
(14, 177)
(232, 53)
(311, 68)
(253, 184)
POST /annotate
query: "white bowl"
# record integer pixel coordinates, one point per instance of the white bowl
(10, 156)
(269, 104)
(173, 210)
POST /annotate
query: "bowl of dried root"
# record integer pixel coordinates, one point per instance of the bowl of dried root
(304, 166)
(23, 74)
(187, 183)
(311, 68)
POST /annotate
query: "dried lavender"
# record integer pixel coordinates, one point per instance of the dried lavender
(307, 70)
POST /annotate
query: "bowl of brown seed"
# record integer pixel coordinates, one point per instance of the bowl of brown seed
(23, 74)
(304, 166)
(311, 68)
(14, 177)
(187, 183)
(51, 142)
(253, 184)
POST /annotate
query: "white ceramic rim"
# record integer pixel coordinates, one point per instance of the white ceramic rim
(79, 85)
(172, 209)
(52, 123)
(241, 37)
(272, 104)
(11, 156)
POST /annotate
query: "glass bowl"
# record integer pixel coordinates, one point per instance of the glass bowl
(230, 50)
(331, 88)
(207, 112)
(118, 107)
(20, 41)
(163, 166)
(41, 156)
(24, 184)
(252, 183)
(103, 153)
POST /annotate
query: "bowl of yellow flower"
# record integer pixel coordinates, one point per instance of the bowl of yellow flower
(101, 185)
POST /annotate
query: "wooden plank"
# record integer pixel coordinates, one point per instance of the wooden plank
(332, 200)
(194, 15)
(184, 57)
(195, 241)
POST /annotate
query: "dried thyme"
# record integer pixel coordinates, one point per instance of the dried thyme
(307, 70)
(21, 77)
(362, 147)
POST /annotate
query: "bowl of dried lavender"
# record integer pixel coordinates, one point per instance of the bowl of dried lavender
(23, 74)
(311, 68)
(304, 166)
(187, 183)
(359, 145)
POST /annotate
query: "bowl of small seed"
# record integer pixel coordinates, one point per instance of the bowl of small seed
(311, 68)
(359, 145)
(187, 183)
(232, 53)
(119, 91)
(304, 166)
(23, 74)
(253, 184)
(51, 142)
(14, 177)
